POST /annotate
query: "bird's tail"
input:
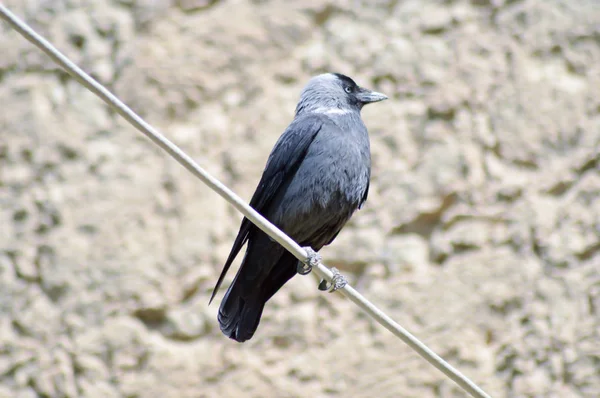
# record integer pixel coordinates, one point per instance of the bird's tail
(242, 306)
(239, 316)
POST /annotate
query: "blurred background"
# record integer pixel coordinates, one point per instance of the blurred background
(481, 234)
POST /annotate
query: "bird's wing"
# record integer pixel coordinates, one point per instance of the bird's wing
(364, 198)
(284, 160)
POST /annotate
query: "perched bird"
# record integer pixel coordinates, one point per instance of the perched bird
(316, 177)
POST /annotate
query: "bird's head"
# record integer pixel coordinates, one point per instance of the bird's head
(335, 93)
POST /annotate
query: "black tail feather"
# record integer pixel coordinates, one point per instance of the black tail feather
(240, 312)
(239, 317)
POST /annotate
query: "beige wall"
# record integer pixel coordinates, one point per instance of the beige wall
(481, 233)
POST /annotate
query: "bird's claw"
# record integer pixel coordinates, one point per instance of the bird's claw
(313, 259)
(338, 281)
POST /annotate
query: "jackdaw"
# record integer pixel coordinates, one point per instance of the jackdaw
(316, 177)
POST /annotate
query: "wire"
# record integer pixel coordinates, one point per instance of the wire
(262, 223)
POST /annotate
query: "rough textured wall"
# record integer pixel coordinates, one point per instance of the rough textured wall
(481, 233)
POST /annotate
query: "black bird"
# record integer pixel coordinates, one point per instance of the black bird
(316, 177)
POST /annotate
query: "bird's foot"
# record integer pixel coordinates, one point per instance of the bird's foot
(313, 259)
(338, 281)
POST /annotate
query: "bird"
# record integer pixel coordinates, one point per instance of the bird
(316, 176)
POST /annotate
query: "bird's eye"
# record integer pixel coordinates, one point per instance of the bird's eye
(348, 89)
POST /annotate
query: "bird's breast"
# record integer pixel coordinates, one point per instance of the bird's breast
(333, 175)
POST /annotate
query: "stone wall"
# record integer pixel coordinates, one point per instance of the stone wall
(480, 236)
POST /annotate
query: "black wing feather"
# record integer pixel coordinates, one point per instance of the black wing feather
(284, 160)
(364, 198)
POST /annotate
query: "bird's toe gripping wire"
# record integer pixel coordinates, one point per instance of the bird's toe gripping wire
(338, 281)
(313, 259)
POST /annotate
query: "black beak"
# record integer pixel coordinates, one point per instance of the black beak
(367, 96)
